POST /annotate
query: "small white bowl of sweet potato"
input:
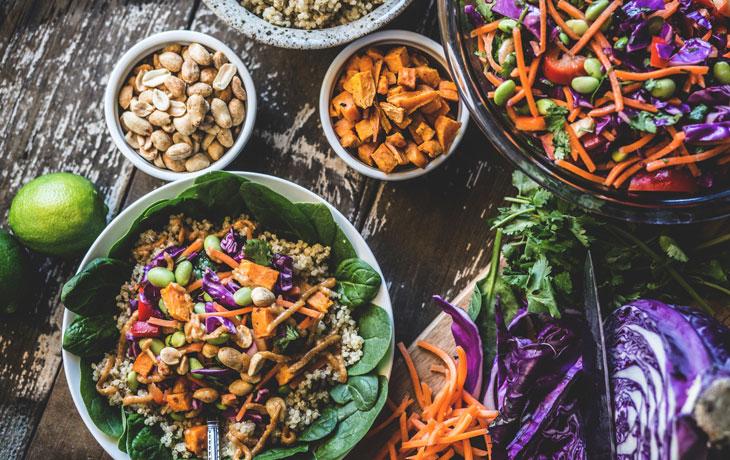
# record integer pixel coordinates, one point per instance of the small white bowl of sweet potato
(389, 108)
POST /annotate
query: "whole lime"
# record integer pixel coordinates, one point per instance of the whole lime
(58, 214)
(13, 273)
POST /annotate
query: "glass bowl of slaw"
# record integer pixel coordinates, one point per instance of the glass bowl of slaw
(527, 153)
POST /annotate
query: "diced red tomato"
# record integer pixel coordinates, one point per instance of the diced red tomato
(664, 180)
(142, 329)
(656, 60)
(563, 69)
(144, 309)
(547, 145)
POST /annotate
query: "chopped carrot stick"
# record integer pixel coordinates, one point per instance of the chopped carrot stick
(572, 11)
(171, 323)
(531, 76)
(530, 123)
(195, 285)
(269, 375)
(559, 21)
(600, 112)
(677, 140)
(412, 372)
(488, 40)
(669, 9)
(666, 162)
(595, 26)
(305, 323)
(403, 425)
(446, 439)
(493, 79)
(640, 105)
(391, 451)
(574, 114)
(575, 144)
(618, 169)
(447, 455)
(660, 73)
(693, 169)
(522, 70)
(222, 257)
(195, 246)
(401, 409)
(543, 25)
(627, 174)
(612, 77)
(636, 145)
(630, 88)
(468, 453)
(481, 30)
(438, 368)
(579, 172)
(227, 313)
(242, 411)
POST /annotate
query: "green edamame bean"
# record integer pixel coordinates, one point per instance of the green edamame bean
(504, 92)
(593, 67)
(212, 242)
(177, 339)
(168, 340)
(506, 25)
(618, 157)
(194, 365)
(156, 345)
(207, 297)
(242, 296)
(199, 308)
(663, 88)
(585, 85)
(578, 26)
(132, 382)
(220, 340)
(543, 105)
(183, 272)
(721, 72)
(621, 43)
(163, 308)
(595, 9)
(177, 416)
(564, 38)
(160, 277)
(221, 406)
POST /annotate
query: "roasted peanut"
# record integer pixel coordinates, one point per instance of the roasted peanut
(220, 112)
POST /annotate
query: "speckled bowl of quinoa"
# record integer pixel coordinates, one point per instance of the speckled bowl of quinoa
(235, 297)
(306, 24)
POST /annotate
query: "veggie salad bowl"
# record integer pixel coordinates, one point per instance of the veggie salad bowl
(625, 131)
(237, 297)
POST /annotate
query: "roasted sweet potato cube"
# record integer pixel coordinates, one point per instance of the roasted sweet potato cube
(284, 375)
(352, 64)
(392, 91)
(418, 59)
(397, 58)
(349, 140)
(383, 85)
(346, 78)
(364, 129)
(428, 75)
(449, 95)
(179, 402)
(196, 439)
(374, 119)
(405, 123)
(365, 64)
(397, 153)
(407, 77)
(180, 386)
(390, 76)
(432, 107)
(446, 85)
(251, 274)
(261, 317)
(446, 130)
(415, 156)
(443, 110)
(365, 152)
(143, 364)
(377, 69)
(384, 159)
(320, 301)
(343, 126)
(178, 302)
(374, 53)
(396, 139)
(363, 89)
(413, 100)
(425, 132)
(344, 105)
(432, 148)
(387, 127)
(397, 114)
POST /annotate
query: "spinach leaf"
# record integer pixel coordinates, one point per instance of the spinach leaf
(374, 326)
(364, 390)
(282, 452)
(352, 429)
(341, 394)
(321, 427)
(357, 282)
(90, 336)
(347, 410)
(146, 445)
(258, 251)
(105, 417)
(330, 234)
(133, 424)
(93, 290)
(277, 213)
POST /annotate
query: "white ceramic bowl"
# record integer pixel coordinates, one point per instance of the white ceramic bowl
(140, 51)
(123, 221)
(238, 17)
(388, 37)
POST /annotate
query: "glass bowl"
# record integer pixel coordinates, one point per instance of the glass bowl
(527, 154)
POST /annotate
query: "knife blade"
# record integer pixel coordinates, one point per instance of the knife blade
(601, 438)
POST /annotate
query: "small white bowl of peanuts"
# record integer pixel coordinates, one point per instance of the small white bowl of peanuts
(180, 103)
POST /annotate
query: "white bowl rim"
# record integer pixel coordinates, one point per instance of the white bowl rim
(403, 37)
(114, 229)
(143, 49)
(261, 30)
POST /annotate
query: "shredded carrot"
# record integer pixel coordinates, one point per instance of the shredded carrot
(666, 162)
(391, 451)
(530, 123)
(559, 21)
(578, 171)
(543, 25)
(222, 257)
(401, 409)
(595, 26)
(612, 77)
(412, 372)
(618, 169)
(636, 145)
(269, 375)
(575, 144)
(693, 169)
(660, 73)
(171, 323)
(519, 53)
(481, 30)
(669, 9)
(631, 87)
(724, 160)
(572, 11)
(574, 114)
(627, 174)
(488, 40)
(195, 285)
(227, 313)
(195, 246)
(677, 140)
(640, 105)
(242, 411)
(493, 79)
(569, 98)
(531, 76)
(305, 323)
(600, 112)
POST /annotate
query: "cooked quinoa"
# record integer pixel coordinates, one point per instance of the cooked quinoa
(311, 393)
(310, 14)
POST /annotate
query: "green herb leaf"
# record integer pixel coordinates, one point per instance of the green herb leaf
(258, 251)
(364, 390)
(290, 335)
(672, 249)
(698, 113)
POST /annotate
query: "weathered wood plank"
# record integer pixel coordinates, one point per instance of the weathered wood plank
(54, 62)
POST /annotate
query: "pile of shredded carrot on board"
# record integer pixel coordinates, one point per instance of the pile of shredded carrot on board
(441, 425)
(631, 151)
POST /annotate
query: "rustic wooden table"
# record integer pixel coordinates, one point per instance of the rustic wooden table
(429, 234)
